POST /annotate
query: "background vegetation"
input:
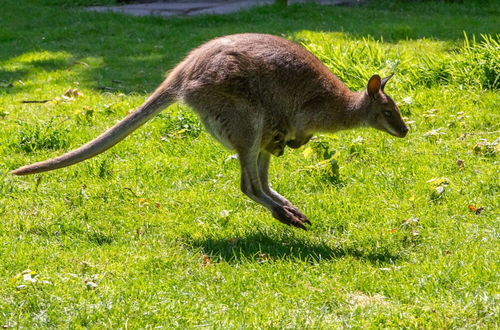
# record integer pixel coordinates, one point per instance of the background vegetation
(155, 232)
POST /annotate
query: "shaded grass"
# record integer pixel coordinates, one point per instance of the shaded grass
(141, 220)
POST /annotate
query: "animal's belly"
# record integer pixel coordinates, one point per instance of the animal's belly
(217, 131)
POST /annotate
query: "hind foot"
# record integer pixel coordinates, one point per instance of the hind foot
(290, 215)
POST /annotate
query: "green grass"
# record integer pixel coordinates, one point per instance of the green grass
(155, 232)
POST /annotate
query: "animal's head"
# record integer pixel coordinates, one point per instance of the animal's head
(382, 111)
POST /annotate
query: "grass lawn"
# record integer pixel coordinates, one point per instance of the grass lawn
(155, 232)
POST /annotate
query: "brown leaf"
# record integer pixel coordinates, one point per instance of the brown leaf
(472, 208)
(73, 93)
(476, 210)
(460, 163)
(206, 260)
(263, 256)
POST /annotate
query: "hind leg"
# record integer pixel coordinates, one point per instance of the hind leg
(252, 186)
(263, 164)
(239, 126)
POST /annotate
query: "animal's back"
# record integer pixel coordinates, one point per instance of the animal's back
(258, 67)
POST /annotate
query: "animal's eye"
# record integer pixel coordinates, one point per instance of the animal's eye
(387, 114)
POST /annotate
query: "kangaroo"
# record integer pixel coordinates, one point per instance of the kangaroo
(256, 94)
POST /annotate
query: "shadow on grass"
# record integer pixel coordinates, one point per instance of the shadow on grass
(261, 246)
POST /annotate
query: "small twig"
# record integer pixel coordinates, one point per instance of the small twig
(116, 81)
(131, 191)
(35, 101)
(106, 88)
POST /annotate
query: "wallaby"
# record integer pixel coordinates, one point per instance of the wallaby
(256, 94)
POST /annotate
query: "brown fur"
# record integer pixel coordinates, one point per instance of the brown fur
(256, 94)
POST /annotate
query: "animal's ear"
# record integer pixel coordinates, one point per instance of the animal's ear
(384, 81)
(374, 86)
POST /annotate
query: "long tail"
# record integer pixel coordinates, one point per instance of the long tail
(160, 99)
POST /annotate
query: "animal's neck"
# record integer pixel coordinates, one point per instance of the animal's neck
(339, 111)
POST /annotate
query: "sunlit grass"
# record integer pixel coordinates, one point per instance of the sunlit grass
(155, 232)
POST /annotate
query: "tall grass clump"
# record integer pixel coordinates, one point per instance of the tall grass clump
(31, 138)
(352, 61)
(479, 63)
(475, 64)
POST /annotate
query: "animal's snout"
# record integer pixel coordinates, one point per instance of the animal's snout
(403, 130)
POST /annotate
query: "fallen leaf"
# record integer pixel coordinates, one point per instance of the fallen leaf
(438, 186)
(29, 278)
(434, 133)
(439, 190)
(472, 208)
(263, 256)
(72, 93)
(206, 260)
(143, 201)
(180, 133)
(362, 300)
(476, 210)
(411, 221)
(485, 148)
(460, 163)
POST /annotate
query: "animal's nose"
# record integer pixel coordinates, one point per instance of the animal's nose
(404, 130)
